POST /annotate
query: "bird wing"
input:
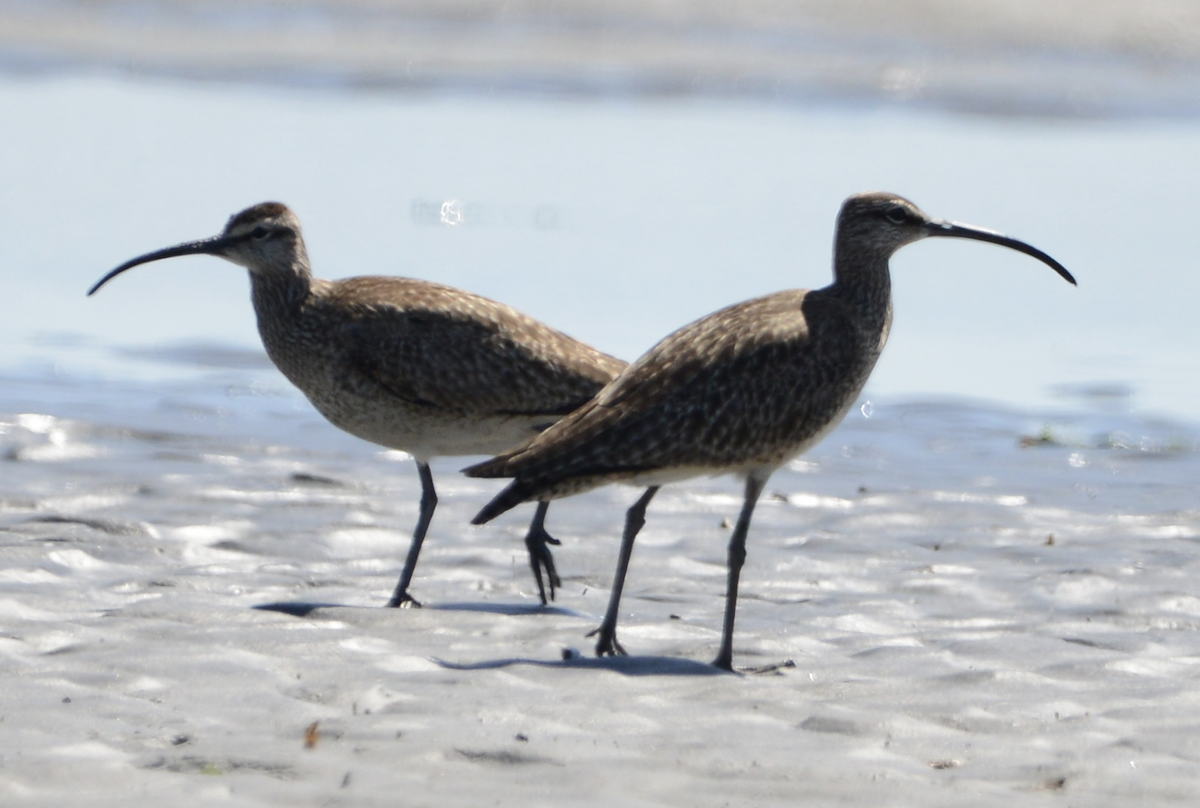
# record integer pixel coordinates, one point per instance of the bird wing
(440, 347)
(729, 389)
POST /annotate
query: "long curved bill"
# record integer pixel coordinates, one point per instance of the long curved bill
(209, 246)
(957, 230)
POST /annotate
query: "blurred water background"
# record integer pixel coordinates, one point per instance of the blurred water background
(616, 211)
(616, 220)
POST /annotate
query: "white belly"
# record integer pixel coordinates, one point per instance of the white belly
(425, 432)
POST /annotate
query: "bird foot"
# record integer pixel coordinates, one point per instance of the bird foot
(540, 558)
(607, 645)
(403, 600)
(724, 663)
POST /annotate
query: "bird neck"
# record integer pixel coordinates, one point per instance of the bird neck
(862, 281)
(860, 274)
(279, 291)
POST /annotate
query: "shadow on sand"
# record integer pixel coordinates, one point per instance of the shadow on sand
(296, 608)
(572, 659)
(626, 665)
(303, 608)
(507, 608)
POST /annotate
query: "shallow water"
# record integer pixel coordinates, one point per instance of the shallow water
(615, 220)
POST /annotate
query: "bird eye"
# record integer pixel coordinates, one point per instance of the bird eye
(896, 216)
(259, 233)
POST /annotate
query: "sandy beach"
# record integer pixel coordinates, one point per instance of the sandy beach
(979, 590)
(968, 609)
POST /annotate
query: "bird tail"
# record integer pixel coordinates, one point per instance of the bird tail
(494, 467)
(512, 496)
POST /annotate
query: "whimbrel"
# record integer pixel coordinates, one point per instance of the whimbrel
(740, 391)
(407, 364)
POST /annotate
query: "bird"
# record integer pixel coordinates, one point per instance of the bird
(742, 391)
(407, 364)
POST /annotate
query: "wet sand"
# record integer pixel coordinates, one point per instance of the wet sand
(978, 605)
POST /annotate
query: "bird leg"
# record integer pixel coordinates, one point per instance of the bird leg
(607, 644)
(539, 554)
(737, 557)
(429, 500)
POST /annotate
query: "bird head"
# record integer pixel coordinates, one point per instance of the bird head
(881, 223)
(264, 239)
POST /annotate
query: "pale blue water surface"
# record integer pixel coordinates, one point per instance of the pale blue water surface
(615, 220)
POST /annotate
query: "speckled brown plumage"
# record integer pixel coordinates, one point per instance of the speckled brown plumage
(407, 364)
(740, 391)
(422, 367)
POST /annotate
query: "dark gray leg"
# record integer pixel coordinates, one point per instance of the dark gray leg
(737, 557)
(539, 554)
(429, 500)
(635, 517)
